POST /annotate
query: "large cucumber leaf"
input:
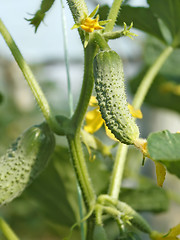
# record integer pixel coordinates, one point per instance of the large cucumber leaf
(168, 12)
(142, 18)
(150, 19)
(164, 147)
(54, 192)
(146, 198)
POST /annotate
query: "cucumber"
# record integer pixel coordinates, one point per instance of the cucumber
(24, 161)
(135, 218)
(110, 90)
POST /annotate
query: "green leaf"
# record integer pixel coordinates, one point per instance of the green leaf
(146, 198)
(153, 48)
(54, 192)
(164, 147)
(168, 11)
(142, 18)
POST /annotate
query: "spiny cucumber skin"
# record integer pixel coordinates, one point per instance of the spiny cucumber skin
(24, 161)
(109, 86)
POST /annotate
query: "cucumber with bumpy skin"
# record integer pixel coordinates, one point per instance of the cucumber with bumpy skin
(24, 161)
(109, 85)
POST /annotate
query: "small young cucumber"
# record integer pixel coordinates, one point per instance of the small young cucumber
(24, 160)
(109, 86)
(135, 218)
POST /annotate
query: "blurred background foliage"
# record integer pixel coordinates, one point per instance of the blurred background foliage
(48, 208)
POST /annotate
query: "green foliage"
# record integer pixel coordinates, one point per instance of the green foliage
(160, 94)
(168, 12)
(148, 19)
(55, 190)
(146, 198)
(164, 147)
(54, 193)
(41, 13)
(142, 18)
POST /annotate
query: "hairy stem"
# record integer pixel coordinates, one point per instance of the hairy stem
(118, 169)
(78, 9)
(81, 170)
(7, 231)
(113, 15)
(149, 77)
(88, 83)
(34, 86)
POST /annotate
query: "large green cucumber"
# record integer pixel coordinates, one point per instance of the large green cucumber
(24, 160)
(109, 85)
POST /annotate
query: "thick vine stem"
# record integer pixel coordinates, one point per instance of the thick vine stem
(149, 77)
(78, 9)
(118, 169)
(113, 15)
(87, 87)
(81, 170)
(101, 42)
(7, 231)
(35, 88)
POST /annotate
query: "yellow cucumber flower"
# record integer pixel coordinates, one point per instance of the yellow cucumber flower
(94, 120)
(88, 24)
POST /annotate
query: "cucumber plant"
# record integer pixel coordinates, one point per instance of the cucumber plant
(103, 70)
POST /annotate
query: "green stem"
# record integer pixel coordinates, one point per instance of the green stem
(35, 88)
(118, 169)
(78, 9)
(113, 35)
(113, 15)
(87, 87)
(149, 77)
(81, 170)
(101, 42)
(7, 231)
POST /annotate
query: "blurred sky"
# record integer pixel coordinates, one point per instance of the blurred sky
(48, 41)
